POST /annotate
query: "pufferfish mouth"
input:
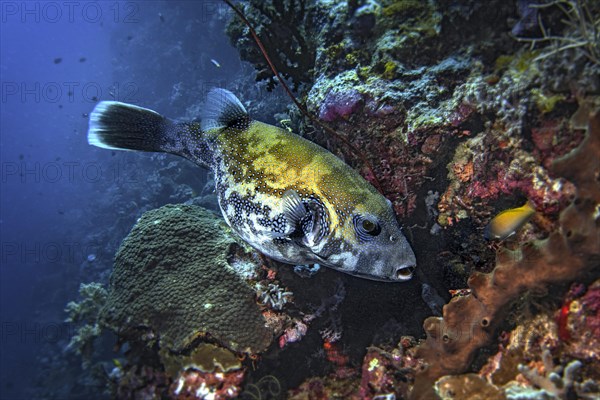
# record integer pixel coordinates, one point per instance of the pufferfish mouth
(405, 273)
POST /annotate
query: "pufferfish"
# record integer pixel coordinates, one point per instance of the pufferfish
(287, 197)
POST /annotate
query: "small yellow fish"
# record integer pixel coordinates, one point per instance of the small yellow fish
(117, 363)
(508, 222)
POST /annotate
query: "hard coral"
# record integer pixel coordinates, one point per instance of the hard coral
(532, 362)
(551, 382)
(470, 322)
(205, 357)
(467, 387)
(172, 281)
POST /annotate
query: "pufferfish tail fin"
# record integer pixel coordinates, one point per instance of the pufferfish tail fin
(223, 110)
(121, 126)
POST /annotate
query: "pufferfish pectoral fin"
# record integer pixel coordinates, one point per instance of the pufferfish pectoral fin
(294, 212)
(303, 221)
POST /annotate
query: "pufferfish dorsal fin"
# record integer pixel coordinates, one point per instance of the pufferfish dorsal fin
(304, 221)
(223, 110)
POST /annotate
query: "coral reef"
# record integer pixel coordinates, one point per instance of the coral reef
(579, 322)
(460, 118)
(170, 302)
(172, 282)
(549, 354)
(385, 373)
(430, 76)
(470, 322)
(468, 386)
(506, 158)
(196, 308)
(533, 361)
(552, 384)
(397, 100)
(196, 385)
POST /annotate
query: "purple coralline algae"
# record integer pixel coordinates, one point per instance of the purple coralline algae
(340, 104)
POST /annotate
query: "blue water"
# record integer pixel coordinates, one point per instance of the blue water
(57, 60)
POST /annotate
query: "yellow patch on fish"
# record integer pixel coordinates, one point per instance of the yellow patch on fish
(508, 222)
(275, 161)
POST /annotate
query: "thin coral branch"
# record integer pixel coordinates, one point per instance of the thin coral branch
(582, 34)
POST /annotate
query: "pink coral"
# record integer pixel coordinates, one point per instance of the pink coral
(194, 384)
(539, 188)
(461, 114)
(580, 322)
(388, 372)
(293, 334)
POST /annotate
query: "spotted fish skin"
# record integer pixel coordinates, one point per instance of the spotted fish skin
(289, 198)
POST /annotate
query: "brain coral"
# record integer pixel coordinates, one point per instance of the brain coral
(172, 282)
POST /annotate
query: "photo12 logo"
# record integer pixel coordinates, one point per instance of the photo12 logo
(217, 9)
(34, 172)
(30, 332)
(68, 92)
(52, 12)
(13, 253)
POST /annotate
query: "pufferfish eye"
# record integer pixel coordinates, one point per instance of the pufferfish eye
(366, 228)
(369, 226)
